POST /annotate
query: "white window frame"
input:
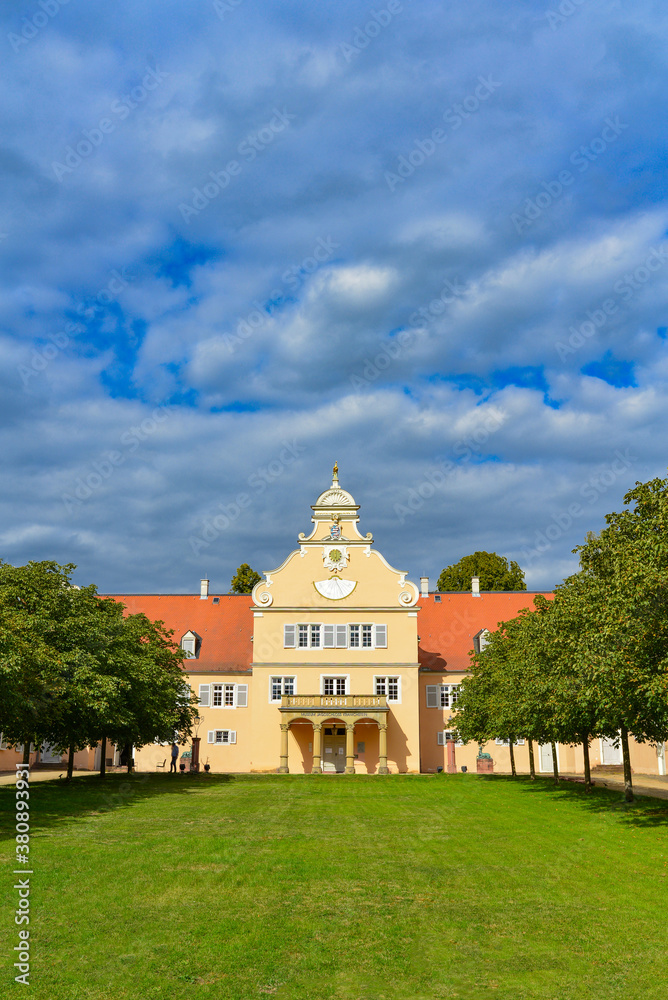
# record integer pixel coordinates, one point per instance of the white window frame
(228, 737)
(442, 738)
(283, 678)
(334, 635)
(189, 644)
(384, 677)
(506, 743)
(239, 695)
(324, 677)
(440, 693)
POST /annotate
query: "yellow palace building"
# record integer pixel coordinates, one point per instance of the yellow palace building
(336, 663)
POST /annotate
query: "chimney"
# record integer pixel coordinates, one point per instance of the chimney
(203, 590)
(424, 586)
(475, 586)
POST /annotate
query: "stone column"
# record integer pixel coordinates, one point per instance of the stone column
(452, 764)
(350, 748)
(283, 769)
(317, 748)
(382, 750)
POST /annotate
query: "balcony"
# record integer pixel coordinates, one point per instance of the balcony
(353, 702)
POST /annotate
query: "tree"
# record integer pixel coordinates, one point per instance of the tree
(244, 579)
(494, 572)
(625, 568)
(75, 670)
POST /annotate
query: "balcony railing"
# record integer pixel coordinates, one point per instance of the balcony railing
(334, 701)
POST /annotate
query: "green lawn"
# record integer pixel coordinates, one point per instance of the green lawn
(320, 887)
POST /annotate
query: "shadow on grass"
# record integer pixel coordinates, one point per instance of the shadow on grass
(53, 802)
(642, 812)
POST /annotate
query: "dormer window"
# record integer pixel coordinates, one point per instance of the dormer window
(480, 640)
(190, 645)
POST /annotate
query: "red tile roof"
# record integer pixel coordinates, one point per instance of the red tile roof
(447, 628)
(224, 628)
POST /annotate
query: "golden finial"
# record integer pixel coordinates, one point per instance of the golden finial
(335, 471)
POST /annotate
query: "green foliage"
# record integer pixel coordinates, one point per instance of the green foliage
(593, 661)
(74, 669)
(494, 571)
(244, 579)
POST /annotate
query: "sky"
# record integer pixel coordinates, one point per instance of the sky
(240, 240)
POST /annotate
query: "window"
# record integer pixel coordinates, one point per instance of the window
(442, 695)
(389, 686)
(334, 685)
(223, 695)
(190, 645)
(437, 598)
(278, 686)
(335, 636)
(480, 640)
(446, 736)
(506, 743)
(3, 745)
(222, 736)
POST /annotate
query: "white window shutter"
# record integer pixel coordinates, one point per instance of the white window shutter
(211, 736)
(204, 695)
(233, 736)
(289, 636)
(432, 695)
(328, 636)
(381, 636)
(341, 636)
(242, 695)
(441, 739)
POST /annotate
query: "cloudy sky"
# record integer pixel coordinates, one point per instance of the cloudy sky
(242, 239)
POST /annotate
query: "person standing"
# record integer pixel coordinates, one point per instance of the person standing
(175, 757)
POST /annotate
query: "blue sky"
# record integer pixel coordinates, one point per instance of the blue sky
(241, 240)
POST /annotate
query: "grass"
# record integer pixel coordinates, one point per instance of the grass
(341, 888)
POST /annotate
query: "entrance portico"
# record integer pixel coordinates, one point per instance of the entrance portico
(334, 713)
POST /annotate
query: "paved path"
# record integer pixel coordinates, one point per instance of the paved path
(654, 785)
(8, 778)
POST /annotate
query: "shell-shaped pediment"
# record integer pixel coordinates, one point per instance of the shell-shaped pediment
(335, 497)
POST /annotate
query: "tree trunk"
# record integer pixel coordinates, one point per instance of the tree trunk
(26, 753)
(628, 783)
(555, 765)
(532, 766)
(130, 748)
(103, 757)
(585, 750)
(512, 759)
(70, 764)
